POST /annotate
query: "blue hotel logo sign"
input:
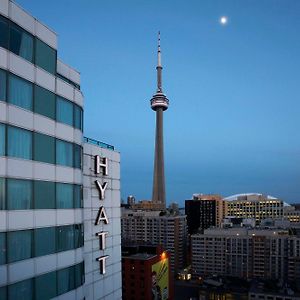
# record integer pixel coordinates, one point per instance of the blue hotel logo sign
(101, 166)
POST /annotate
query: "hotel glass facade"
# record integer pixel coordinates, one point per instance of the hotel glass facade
(45, 232)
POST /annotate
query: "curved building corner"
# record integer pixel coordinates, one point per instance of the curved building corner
(50, 244)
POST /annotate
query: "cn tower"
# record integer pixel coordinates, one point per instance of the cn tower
(159, 103)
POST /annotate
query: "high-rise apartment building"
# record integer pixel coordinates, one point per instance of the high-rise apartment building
(59, 221)
(204, 211)
(149, 227)
(294, 260)
(246, 253)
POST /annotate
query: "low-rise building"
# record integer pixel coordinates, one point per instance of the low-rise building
(146, 273)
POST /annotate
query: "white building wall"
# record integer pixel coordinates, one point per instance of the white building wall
(18, 168)
(108, 285)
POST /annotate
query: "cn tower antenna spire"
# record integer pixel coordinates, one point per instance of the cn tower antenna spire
(158, 52)
(159, 67)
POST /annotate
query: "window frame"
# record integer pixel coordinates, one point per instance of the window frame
(57, 156)
(7, 21)
(12, 25)
(8, 85)
(51, 139)
(32, 155)
(9, 260)
(31, 200)
(68, 102)
(7, 142)
(34, 110)
(76, 109)
(4, 139)
(36, 41)
(77, 190)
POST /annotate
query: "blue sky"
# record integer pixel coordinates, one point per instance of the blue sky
(233, 121)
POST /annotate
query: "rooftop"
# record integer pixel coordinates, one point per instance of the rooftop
(253, 197)
(235, 197)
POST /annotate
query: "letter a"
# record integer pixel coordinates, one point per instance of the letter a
(101, 216)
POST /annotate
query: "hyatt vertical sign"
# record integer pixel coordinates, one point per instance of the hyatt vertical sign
(101, 164)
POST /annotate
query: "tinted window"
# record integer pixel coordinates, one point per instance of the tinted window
(77, 196)
(2, 84)
(77, 156)
(79, 275)
(78, 235)
(19, 194)
(45, 57)
(77, 117)
(44, 241)
(3, 292)
(22, 290)
(45, 286)
(65, 238)
(19, 245)
(3, 33)
(2, 140)
(64, 195)
(19, 143)
(64, 111)
(20, 92)
(2, 249)
(2, 194)
(65, 279)
(21, 43)
(64, 153)
(44, 102)
(44, 148)
(44, 194)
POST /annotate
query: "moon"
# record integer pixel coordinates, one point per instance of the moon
(223, 20)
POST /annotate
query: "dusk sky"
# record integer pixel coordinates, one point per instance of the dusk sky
(233, 123)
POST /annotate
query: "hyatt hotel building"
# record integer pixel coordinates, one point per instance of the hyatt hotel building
(60, 235)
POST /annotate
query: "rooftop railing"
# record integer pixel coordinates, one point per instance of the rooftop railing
(98, 143)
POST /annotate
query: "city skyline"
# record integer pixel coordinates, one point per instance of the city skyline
(232, 125)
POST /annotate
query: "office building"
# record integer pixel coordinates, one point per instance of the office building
(152, 227)
(203, 211)
(256, 206)
(48, 200)
(246, 253)
(146, 273)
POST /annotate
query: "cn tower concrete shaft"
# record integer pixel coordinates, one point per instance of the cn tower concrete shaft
(159, 194)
